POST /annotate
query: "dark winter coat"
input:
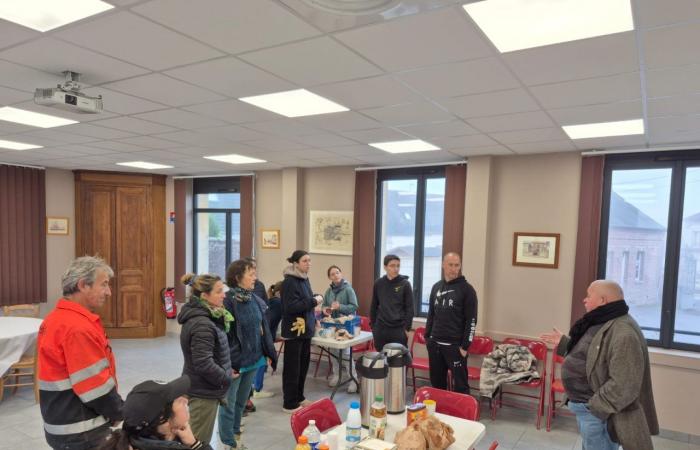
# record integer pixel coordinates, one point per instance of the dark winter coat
(297, 302)
(156, 444)
(205, 350)
(241, 349)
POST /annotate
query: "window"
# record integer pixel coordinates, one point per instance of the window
(651, 208)
(410, 216)
(217, 224)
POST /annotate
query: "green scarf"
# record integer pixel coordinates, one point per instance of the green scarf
(218, 313)
(242, 295)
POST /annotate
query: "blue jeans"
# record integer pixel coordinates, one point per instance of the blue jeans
(230, 415)
(259, 377)
(594, 432)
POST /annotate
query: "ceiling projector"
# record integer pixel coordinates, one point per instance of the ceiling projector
(67, 96)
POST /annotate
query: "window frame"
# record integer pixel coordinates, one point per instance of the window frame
(214, 185)
(678, 162)
(421, 174)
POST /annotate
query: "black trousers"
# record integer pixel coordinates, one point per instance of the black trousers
(297, 353)
(447, 357)
(383, 335)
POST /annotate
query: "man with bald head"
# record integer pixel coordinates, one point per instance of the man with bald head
(606, 373)
(450, 327)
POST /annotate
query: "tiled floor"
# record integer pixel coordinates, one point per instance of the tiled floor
(268, 428)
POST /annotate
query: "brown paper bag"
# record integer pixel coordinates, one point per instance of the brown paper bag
(410, 438)
(438, 435)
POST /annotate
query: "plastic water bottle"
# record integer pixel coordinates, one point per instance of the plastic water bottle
(353, 426)
(313, 434)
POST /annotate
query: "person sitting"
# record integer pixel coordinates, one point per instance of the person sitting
(156, 417)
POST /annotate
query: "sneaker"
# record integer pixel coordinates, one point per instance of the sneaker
(352, 387)
(249, 407)
(333, 380)
(305, 403)
(263, 394)
(291, 410)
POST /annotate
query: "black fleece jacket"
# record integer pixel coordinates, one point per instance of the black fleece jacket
(297, 303)
(392, 303)
(452, 312)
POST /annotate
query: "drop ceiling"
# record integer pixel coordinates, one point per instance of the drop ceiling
(171, 73)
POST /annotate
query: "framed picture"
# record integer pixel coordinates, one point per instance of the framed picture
(536, 250)
(270, 238)
(57, 225)
(330, 232)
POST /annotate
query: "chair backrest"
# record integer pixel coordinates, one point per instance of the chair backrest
(364, 323)
(481, 345)
(556, 360)
(494, 445)
(322, 411)
(538, 348)
(419, 337)
(26, 310)
(450, 403)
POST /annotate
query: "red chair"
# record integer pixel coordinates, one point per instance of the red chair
(555, 387)
(419, 363)
(539, 351)
(494, 445)
(365, 346)
(319, 355)
(450, 403)
(322, 411)
(481, 345)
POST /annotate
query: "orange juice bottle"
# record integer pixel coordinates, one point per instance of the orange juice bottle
(302, 443)
(377, 418)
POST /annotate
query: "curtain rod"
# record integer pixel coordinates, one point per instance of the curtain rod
(640, 150)
(182, 177)
(408, 166)
(22, 165)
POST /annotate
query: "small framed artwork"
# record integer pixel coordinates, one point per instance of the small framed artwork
(57, 225)
(270, 238)
(536, 250)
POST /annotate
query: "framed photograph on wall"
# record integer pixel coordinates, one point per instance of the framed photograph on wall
(270, 238)
(330, 232)
(536, 249)
(57, 225)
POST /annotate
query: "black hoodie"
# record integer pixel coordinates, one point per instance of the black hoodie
(392, 303)
(452, 312)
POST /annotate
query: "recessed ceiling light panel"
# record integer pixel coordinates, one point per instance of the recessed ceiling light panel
(17, 145)
(409, 146)
(519, 24)
(296, 103)
(144, 165)
(45, 15)
(605, 129)
(235, 159)
(33, 119)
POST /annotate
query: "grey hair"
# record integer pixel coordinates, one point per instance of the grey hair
(83, 268)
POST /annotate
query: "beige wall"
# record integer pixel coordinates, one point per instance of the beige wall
(268, 208)
(60, 250)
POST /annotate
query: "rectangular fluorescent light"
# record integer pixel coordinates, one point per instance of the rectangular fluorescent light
(33, 119)
(235, 159)
(518, 24)
(144, 165)
(296, 103)
(605, 129)
(410, 146)
(45, 15)
(17, 145)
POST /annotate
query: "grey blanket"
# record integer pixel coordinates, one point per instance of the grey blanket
(507, 363)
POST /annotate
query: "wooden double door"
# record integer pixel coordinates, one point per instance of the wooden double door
(121, 218)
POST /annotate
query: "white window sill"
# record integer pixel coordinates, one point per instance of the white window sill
(674, 358)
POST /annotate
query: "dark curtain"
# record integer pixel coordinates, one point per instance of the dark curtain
(363, 237)
(453, 224)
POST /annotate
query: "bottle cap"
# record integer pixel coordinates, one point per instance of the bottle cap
(355, 405)
(379, 398)
(312, 422)
(303, 440)
(323, 447)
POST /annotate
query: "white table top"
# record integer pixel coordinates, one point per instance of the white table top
(467, 433)
(18, 326)
(17, 334)
(341, 345)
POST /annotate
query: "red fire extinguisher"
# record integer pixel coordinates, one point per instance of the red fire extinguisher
(169, 306)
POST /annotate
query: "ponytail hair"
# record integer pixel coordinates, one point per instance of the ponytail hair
(200, 283)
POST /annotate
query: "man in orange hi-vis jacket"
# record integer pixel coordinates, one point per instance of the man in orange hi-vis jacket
(77, 374)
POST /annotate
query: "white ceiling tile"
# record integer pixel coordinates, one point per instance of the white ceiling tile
(341, 121)
(376, 135)
(483, 151)
(608, 112)
(491, 103)
(354, 151)
(316, 61)
(233, 111)
(525, 136)
(651, 13)
(132, 125)
(434, 156)
(675, 105)
(117, 146)
(419, 40)
(234, 27)
(65, 137)
(119, 103)
(196, 139)
(95, 131)
(231, 77)
(150, 142)
(543, 147)
(12, 128)
(309, 153)
(371, 92)
(159, 156)
(458, 142)
(591, 91)
(54, 56)
(688, 138)
(670, 126)
(339, 161)
(610, 142)
(284, 127)
(324, 140)
(674, 81)
(276, 144)
(166, 90)
(508, 122)
(180, 119)
(11, 33)
(233, 133)
(382, 159)
(586, 58)
(86, 149)
(471, 77)
(409, 113)
(55, 153)
(134, 39)
(25, 78)
(9, 96)
(442, 129)
(33, 138)
(672, 46)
